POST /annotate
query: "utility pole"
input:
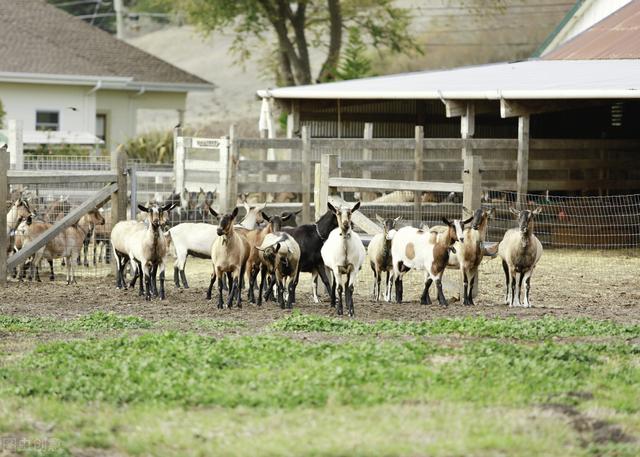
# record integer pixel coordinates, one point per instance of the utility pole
(117, 6)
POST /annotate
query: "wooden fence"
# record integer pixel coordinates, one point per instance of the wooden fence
(115, 188)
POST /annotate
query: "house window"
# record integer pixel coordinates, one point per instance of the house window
(47, 120)
(101, 126)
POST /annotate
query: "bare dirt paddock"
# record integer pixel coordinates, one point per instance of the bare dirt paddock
(566, 284)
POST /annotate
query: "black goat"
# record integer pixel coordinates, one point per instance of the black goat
(310, 238)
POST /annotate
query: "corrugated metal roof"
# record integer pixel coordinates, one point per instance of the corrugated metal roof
(615, 37)
(533, 79)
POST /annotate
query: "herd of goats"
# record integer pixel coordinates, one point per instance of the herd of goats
(263, 245)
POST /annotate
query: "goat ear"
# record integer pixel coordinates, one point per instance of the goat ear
(331, 207)
(514, 211)
(466, 221)
(356, 206)
(213, 212)
(276, 248)
(266, 217)
(169, 207)
(143, 208)
(397, 219)
(491, 212)
(234, 214)
(379, 219)
(286, 216)
(447, 221)
(537, 211)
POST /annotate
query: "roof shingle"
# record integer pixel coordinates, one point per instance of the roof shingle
(615, 37)
(40, 38)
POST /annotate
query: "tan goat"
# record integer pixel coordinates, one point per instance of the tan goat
(520, 251)
(229, 254)
(67, 245)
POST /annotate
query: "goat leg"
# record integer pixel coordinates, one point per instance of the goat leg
(505, 268)
(232, 292)
(263, 272)
(441, 299)
(147, 279)
(176, 276)
(339, 308)
(154, 283)
(465, 289)
(325, 280)
(220, 284)
(527, 281)
(185, 284)
(211, 283)
(162, 295)
(292, 289)
(280, 293)
(51, 277)
(472, 279)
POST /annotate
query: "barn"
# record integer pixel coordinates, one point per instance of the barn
(563, 123)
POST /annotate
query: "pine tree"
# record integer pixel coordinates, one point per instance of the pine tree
(355, 63)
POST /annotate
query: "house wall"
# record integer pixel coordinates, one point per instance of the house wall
(21, 101)
(121, 107)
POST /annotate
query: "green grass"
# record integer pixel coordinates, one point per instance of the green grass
(173, 393)
(96, 321)
(538, 329)
(273, 371)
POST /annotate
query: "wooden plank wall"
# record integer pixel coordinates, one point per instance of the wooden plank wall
(554, 165)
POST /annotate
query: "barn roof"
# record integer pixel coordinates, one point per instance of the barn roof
(615, 37)
(533, 79)
(42, 41)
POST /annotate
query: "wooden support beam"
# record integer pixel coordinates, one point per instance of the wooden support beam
(4, 196)
(394, 184)
(59, 177)
(522, 173)
(367, 156)
(74, 216)
(119, 196)
(455, 108)
(293, 119)
(328, 168)
(417, 174)
(516, 108)
(306, 175)
(472, 183)
(179, 158)
(232, 173)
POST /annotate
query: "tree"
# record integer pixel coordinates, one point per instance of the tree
(301, 26)
(355, 63)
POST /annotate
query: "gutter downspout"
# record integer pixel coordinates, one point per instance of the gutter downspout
(95, 88)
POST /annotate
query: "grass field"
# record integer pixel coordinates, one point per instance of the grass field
(306, 384)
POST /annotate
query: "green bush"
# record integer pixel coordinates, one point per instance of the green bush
(151, 147)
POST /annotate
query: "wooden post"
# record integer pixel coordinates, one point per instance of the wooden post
(232, 182)
(16, 144)
(328, 168)
(467, 129)
(417, 173)
(472, 184)
(119, 197)
(4, 196)
(133, 176)
(316, 188)
(178, 164)
(522, 179)
(367, 156)
(472, 198)
(306, 175)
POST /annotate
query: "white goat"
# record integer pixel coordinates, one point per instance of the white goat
(520, 251)
(343, 253)
(149, 247)
(379, 251)
(196, 239)
(424, 249)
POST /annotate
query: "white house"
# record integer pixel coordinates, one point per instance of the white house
(61, 75)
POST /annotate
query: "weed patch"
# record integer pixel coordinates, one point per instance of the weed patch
(513, 328)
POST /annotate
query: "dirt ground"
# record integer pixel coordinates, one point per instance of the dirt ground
(565, 284)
